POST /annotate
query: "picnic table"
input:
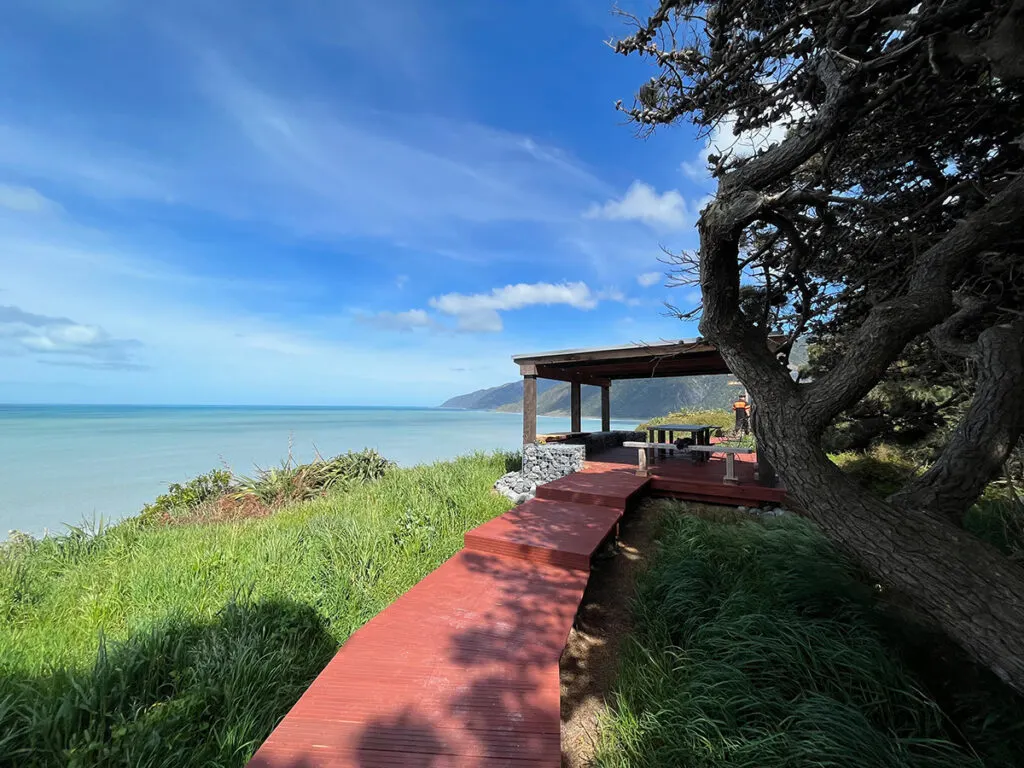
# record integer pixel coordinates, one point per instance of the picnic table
(701, 433)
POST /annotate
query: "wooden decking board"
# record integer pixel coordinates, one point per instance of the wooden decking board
(679, 478)
(546, 531)
(462, 669)
(607, 486)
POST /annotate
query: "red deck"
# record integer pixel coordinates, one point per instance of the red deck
(680, 479)
(544, 531)
(462, 670)
(601, 485)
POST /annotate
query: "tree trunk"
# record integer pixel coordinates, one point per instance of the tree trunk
(965, 587)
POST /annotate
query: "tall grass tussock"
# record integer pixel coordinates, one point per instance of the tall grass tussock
(755, 644)
(183, 643)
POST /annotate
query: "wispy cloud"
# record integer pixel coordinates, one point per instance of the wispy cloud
(647, 279)
(26, 200)
(88, 164)
(42, 336)
(643, 203)
(378, 173)
(479, 312)
(410, 320)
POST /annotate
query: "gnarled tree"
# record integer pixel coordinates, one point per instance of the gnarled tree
(888, 219)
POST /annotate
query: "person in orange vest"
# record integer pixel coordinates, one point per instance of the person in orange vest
(741, 409)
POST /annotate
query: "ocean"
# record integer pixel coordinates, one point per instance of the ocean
(65, 464)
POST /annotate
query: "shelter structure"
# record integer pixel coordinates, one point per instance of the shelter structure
(600, 366)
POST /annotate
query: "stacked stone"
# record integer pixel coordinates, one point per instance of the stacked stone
(541, 464)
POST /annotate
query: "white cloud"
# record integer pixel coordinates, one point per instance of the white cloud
(723, 141)
(42, 336)
(479, 311)
(642, 203)
(26, 200)
(647, 279)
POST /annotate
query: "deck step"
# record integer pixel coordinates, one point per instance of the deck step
(616, 489)
(546, 532)
(717, 493)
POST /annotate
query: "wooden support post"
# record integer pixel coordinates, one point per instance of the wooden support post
(606, 408)
(529, 409)
(642, 463)
(575, 408)
(730, 470)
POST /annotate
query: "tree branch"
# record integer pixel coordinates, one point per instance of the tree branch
(892, 324)
(946, 335)
(984, 437)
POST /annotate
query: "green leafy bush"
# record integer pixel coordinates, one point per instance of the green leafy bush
(298, 482)
(183, 499)
(883, 469)
(719, 419)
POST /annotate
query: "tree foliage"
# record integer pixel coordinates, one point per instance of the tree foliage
(885, 223)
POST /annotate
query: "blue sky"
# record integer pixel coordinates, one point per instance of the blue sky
(318, 202)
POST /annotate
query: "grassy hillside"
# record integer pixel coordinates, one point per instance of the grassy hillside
(183, 644)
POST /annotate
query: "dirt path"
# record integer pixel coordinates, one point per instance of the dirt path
(590, 661)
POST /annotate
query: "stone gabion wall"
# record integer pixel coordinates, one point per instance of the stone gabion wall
(544, 463)
(541, 464)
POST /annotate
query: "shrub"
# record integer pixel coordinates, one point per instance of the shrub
(298, 482)
(185, 499)
(719, 419)
(882, 470)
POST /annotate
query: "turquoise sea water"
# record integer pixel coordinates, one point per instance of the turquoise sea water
(63, 464)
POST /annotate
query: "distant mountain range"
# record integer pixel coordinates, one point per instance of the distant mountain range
(631, 398)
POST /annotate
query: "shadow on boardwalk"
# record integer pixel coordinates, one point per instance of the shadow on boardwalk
(462, 670)
(507, 710)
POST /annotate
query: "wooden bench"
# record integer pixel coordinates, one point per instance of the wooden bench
(644, 460)
(730, 452)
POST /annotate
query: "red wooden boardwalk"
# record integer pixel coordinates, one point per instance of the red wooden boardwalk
(543, 531)
(462, 670)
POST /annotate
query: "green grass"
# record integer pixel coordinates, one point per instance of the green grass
(755, 644)
(183, 645)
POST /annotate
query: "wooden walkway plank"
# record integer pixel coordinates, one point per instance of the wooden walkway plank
(605, 486)
(544, 531)
(462, 670)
